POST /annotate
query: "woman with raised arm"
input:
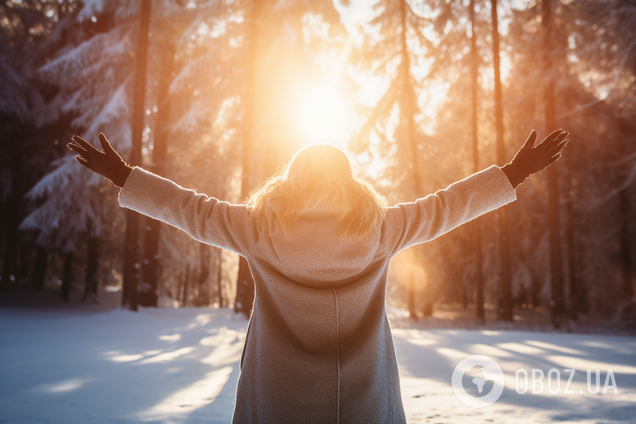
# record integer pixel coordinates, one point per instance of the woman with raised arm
(318, 241)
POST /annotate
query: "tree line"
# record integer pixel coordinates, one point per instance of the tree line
(201, 92)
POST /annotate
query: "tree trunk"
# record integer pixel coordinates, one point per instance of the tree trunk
(219, 278)
(67, 275)
(148, 294)
(626, 248)
(504, 311)
(152, 261)
(203, 298)
(180, 285)
(408, 109)
(557, 284)
(11, 233)
(429, 301)
(535, 288)
(427, 307)
(245, 281)
(131, 248)
(92, 255)
(411, 296)
(23, 263)
(474, 72)
(573, 304)
(186, 283)
(464, 294)
(39, 268)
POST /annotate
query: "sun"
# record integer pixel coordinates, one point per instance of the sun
(323, 113)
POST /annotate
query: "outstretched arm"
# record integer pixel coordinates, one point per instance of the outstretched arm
(204, 218)
(427, 218)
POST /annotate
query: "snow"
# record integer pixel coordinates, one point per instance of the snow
(85, 365)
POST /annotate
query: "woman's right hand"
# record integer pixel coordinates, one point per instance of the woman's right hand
(107, 164)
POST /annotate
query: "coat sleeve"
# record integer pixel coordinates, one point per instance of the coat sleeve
(204, 218)
(427, 218)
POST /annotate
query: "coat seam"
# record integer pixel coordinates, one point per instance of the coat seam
(335, 293)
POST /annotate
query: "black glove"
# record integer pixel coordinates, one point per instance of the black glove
(529, 160)
(107, 164)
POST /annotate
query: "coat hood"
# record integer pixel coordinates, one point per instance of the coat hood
(315, 255)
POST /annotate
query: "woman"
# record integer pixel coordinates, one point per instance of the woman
(318, 241)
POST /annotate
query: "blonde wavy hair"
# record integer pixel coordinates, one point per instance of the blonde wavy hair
(320, 174)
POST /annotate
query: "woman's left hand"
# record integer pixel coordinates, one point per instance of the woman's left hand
(533, 159)
(107, 163)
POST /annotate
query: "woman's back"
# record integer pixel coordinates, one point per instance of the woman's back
(319, 347)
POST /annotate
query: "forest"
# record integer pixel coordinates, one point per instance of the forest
(216, 94)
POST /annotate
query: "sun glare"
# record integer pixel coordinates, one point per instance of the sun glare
(323, 113)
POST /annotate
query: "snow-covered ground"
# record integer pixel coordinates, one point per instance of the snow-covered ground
(181, 366)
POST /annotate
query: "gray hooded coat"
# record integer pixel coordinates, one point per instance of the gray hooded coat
(319, 347)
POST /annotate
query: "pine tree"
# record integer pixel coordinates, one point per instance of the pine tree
(390, 55)
(504, 304)
(29, 34)
(92, 74)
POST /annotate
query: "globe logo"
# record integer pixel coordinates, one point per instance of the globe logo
(477, 381)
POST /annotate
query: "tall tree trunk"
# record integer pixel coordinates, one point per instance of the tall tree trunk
(407, 103)
(131, 249)
(147, 294)
(219, 278)
(431, 275)
(573, 304)
(186, 283)
(245, 281)
(556, 262)
(408, 108)
(464, 295)
(410, 301)
(203, 298)
(67, 276)
(504, 310)
(11, 231)
(23, 263)
(480, 317)
(180, 285)
(39, 269)
(626, 248)
(535, 288)
(92, 255)
(152, 265)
